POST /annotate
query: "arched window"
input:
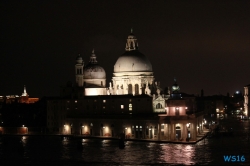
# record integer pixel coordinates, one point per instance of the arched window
(158, 106)
(130, 89)
(177, 127)
(177, 111)
(136, 89)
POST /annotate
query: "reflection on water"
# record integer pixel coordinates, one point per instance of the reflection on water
(35, 150)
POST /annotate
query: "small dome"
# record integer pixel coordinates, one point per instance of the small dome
(93, 70)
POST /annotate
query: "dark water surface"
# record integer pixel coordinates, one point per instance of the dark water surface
(54, 150)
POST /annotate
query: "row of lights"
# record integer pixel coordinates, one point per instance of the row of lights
(179, 108)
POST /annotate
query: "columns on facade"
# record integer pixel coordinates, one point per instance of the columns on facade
(194, 131)
(140, 89)
(168, 131)
(126, 88)
(184, 126)
(133, 88)
(172, 132)
(159, 131)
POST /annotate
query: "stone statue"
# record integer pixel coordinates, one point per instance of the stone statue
(158, 92)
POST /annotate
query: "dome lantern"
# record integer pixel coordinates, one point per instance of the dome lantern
(132, 60)
(93, 58)
(132, 43)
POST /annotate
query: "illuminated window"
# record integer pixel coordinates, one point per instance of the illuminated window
(122, 106)
(133, 130)
(75, 101)
(130, 107)
(177, 111)
(104, 101)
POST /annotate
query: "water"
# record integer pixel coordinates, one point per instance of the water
(54, 150)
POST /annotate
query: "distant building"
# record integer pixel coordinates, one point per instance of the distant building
(24, 98)
(246, 100)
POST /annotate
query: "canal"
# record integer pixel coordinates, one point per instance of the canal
(56, 150)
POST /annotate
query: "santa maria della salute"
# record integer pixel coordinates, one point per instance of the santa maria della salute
(132, 103)
(133, 73)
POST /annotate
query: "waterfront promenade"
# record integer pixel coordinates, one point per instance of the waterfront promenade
(200, 136)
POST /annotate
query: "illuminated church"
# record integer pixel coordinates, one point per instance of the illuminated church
(133, 73)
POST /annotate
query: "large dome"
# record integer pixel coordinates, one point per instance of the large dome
(132, 61)
(93, 70)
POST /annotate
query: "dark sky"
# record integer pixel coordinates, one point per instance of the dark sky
(204, 44)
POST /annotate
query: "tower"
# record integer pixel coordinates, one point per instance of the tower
(79, 70)
(24, 91)
(246, 100)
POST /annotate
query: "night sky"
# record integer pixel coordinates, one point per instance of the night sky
(204, 44)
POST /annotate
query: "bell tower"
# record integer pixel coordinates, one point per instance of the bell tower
(79, 70)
